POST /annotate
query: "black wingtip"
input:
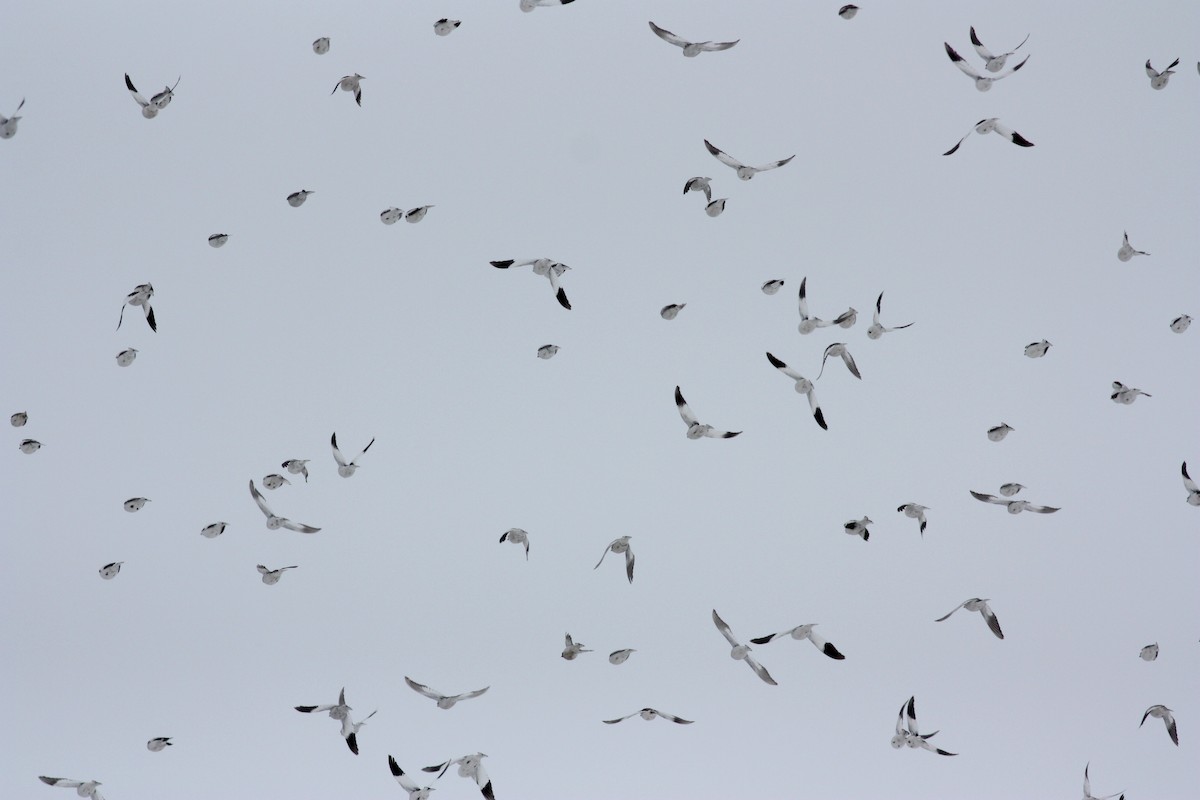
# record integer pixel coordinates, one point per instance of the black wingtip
(562, 299)
(819, 416)
(950, 51)
(352, 743)
(679, 401)
(486, 790)
(502, 264)
(775, 362)
(833, 652)
(129, 83)
(975, 39)
(762, 639)
(1018, 139)
(731, 434)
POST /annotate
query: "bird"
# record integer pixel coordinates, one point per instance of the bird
(671, 311)
(1181, 323)
(998, 432)
(469, 766)
(808, 323)
(530, 5)
(772, 286)
(321, 46)
(741, 652)
(1193, 490)
(915, 511)
(980, 605)
(717, 207)
(29, 446)
(109, 571)
(620, 656)
(858, 527)
(542, 266)
(620, 545)
(297, 466)
(803, 386)
(547, 351)
(126, 356)
(573, 649)
(275, 522)
(140, 296)
(690, 49)
(695, 428)
(847, 11)
(158, 102)
(445, 27)
(159, 743)
(82, 788)
(846, 319)
(982, 82)
(699, 185)
(877, 329)
(1163, 713)
(1037, 349)
(650, 713)
(135, 504)
(351, 83)
(517, 536)
(1009, 489)
(839, 349)
(406, 783)
(8, 125)
(212, 531)
(271, 576)
(347, 468)
(274, 481)
(804, 632)
(350, 730)
(1125, 395)
(992, 125)
(1087, 789)
(1126, 251)
(1158, 80)
(390, 216)
(443, 701)
(1014, 506)
(908, 734)
(218, 239)
(1149, 652)
(415, 215)
(296, 199)
(744, 172)
(994, 63)
(18, 419)
(338, 710)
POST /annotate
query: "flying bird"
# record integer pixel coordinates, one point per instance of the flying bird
(18, 419)
(218, 239)
(772, 286)
(1126, 251)
(159, 743)
(443, 700)
(744, 172)
(808, 323)
(994, 63)
(469, 766)
(445, 27)
(338, 710)
(741, 652)
(620, 545)
(1125, 395)
(415, 215)
(347, 468)
(573, 648)
(1158, 80)
(1009, 489)
(1181, 323)
(717, 207)
(135, 504)
(915, 511)
(516, 536)
(617, 657)
(1149, 652)
(158, 102)
(804, 632)
(847, 11)
(992, 125)
(671, 311)
(804, 386)
(29, 446)
(321, 46)
(846, 319)
(82, 788)
(699, 185)
(126, 356)
(140, 296)
(839, 349)
(547, 351)
(1087, 789)
(275, 522)
(982, 82)
(877, 329)
(1014, 506)
(275, 480)
(530, 5)
(695, 428)
(998, 432)
(406, 783)
(908, 734)
(109, 571)
(542, 266)
(390, 216)
(1037, 349)
(271, 576)
(212, 531)
(690, 49)
(649, 713)
(1193, 490)
(8, 125)
(297, 466)
(296, 199)
(980, 605)
(350, 730)
(858, 527)
(351, 83)
(1163, 713)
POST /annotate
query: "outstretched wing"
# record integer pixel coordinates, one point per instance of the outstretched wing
(984, 53)
(956, 608)
(260, 500)
(724, 628)
(337, 454)
(422, 689)
(667, 36)
(723, 157)
(961, 62)
(989, 498)
(685, 410)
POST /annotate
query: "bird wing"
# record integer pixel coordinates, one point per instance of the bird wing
(954, 149)
(629, 563)
(984, 53)
(483, 781)
(1011, 71)
(422, 689)
(850, 365)
(559, 293)
(337, 454)
(469, 695)
(598, 563)
(784, 368)
(961, 62)
(675, 719)
(956, 608)
(260, 500)
(66, 783)
(804, 298)
(825, 647)
(1040, 509)
(297, 526)
(992, 621)
(667, 36)
(685, 410)
(774, 164)
(406, 783)
(989, 498)
(1188, 483)
(364, 451)
(818, 415)
(713, 433)
(712, 47)
(150, 317)
(1011, 135)
(724, 628)
(760, 670)
(878, 310)
(910, 715)
(723, 157)
(769, 637)
(141, 101)
(627, 716)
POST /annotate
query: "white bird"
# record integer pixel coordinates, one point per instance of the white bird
(135, 504)
(1037, 349)
(530, 5)
(804, 632)
(408, 784)
(839, 349)
(699, 185)
(321, 46)
(980, 605)
(620, 545)
(1009, 489)
(29, 446)
(808, 323)
(573, 649)
(347, 468)
(350, 730)
(1163, 713)
(915, 511)
(469, 766)
(390, 216)
(690, 49)
(1149, 652)
(717, 207)
(858, 527)
(998, 432)
(671, 311)
(443, 700)
(271, 576)
(992, 125)
(695, 429)
(18, 419)
(649, 713)
(415, 215)
(159, 743)
(82, 788)
(109, 571)
(1193, 490)
(274, 481)
(351, 83)
(297, 466)
(218, 239)
(517, 536)
(994, 63)
(126, 356)
(338, 710)
(982, 82)
(744, 172)
(296, 199)
(1158, 80)
(847, 318)
(1087, 789)
(445, 27)
(804, 386)
(620, 656)
(158, 102)
(8, 125)
(877, 329)
(741, 652)
(1125, 395)
(1014, 506)
(140, 296)
(912, 736)
(212, 531)
(1126, 251)
(847, 11)
(547, 351)
(772, 286)
(275, 522)
(1181, 323)
(542, 266)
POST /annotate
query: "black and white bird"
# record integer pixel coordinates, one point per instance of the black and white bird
(1181, 323)
(553, 270)
(915, 511)
(274, 522)
(406, 783)
(443, 700)
(1158, 80)
(695, 429)
(1037, 349)
(620, 545)
(690, 49)
(390, 216)
(350, 730)
(126, 356)
(772, 286)
(618, 657)
(338, 710)
(982, 82)
(909, 735)
(415, 215)
(140, 296)
(838, 349)
(847, 11)
(1126, 251)
(8, 125)
(858, 527)
(744, 172)
(1193, 490)
(716, 207)
(218, 239)
(846, 319)
(1009, 489)
(275, 480)
(877, 329)
(1149, 652)
(996, 433)
(741, 652)
(109, 571)
(297, 466)
(321, 46)
(671, 311)
(271, 576)
(1163, 713)
(547, 351)
(699, 185)
(992, 125)
(347, 468)
(980, 605)
(808, 323)
(530, 5)
(445, 26)
(572, 648)
(994, 63)
(158, 102)
(804, 632)
(1125, 395)
(18, 419)
(648, 714)
(469, 766)
(351, 83)
(82, 788)
(135, 504)
(1087, 789)
(517, 536)
(296, 199)
(29, 446)
(159, 743)
(213, 531)
(802, 385)
(1014, 506)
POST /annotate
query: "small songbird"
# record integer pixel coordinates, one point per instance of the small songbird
(717, 207)
(1193, 490)
(443, 701)
(1149, 652)
(997, 433)
(1163, 713)
(858, 527)
(1125, 395)
(915, 511)
(126, 356)
(772, 286)
(347, 468)
(744, 172)
(135, 504)
(1014, 506)
(847, 11)
(573, 649)
(1037, 349)
(839, 349)
(804, 632)
(109, 571)
(212, 531)
(274, 481)
(18, 419)
(994, 63)
(1158, 80)
(649, 713)
(1181, 323)
(992, 125)
(696, 429)
(847, 318)
(321, 46)
(297, 466)
(1126, 251)
(671, 311)
(218, 239)
(516, 536)
(980, 605)
(620, 545)
(690, 49)
(415, 215)
(390, 216)
(445, 27)
(982, 82)
(296, 199)
(877, 329)
(271, 576)
(140, 296)
(699, 185)
(547, 351)
(620, 656)
(804, 386)
(8, 125)
(1009, 489)
(159, 743)
(351, 83)
(741, 652)
(29, 446)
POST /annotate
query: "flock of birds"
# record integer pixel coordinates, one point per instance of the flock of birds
(470, 766)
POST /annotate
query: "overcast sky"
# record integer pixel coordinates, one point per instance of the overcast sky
(568, 134)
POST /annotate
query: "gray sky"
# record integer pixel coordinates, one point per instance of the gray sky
(568, 133)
